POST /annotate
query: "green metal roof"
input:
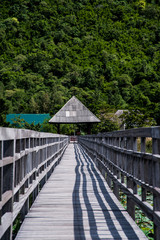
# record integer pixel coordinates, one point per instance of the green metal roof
(29, 118)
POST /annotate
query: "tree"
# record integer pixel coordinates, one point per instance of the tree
(136, 118)
(108, 123)
(104, 52)
(19, 122)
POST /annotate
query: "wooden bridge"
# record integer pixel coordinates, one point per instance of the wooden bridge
(78, 198)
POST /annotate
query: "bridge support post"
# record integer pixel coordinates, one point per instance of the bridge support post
(35, 193)
(58, 128)
(24, 210)
(156, 207)
(95, 158)
(156, 178)
(156, 232)
(108, 179)
(116, 190)
(23, 189)
(131, 207)
(143, 144)
(130, 202)
(16, 197)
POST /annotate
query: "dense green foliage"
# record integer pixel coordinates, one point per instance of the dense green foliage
(135, 118)
(105, 52)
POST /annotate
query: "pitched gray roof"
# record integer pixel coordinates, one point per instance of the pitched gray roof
(74, 112)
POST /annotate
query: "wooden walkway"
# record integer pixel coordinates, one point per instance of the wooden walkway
(76, 203)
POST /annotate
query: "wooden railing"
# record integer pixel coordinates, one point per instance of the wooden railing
(126, 169)
(27, 159)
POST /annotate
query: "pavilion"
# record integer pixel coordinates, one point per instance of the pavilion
(74, 112)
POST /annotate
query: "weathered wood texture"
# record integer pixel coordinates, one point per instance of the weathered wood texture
(27, 159)
(74, 112)
(126, 169)
(76, 203)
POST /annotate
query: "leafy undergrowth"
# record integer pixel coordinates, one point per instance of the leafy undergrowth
(16, 226)
(144, 223)
(141, 220)
(123, 199)
(148, 145)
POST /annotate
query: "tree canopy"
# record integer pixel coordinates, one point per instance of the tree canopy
(105, 52)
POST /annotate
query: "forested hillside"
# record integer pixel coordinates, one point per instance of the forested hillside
(105, 52)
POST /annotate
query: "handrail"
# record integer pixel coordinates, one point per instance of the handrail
(126, 169)
(27, 159)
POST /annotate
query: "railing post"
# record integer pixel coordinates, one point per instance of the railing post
(156, 150)
(115, 171)
(122, 142)
(131, 145)
(24, 209)
(156, 182)
(116, 190)
(143, 144)
(103, 158)
(95, 151)
(1, 178)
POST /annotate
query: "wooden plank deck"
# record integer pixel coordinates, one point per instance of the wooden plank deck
(76, 203)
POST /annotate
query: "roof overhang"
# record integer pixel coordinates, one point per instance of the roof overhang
(74, 112)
